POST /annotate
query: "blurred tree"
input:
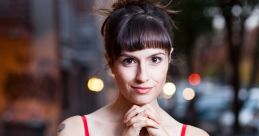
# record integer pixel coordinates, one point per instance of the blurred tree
(254, 68)
(235, 17)
(191, 22)
(235, 32)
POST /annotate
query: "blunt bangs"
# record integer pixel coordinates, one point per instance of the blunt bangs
(143, 31)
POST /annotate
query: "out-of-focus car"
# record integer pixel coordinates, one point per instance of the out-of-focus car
(212, 104)
(249, 114)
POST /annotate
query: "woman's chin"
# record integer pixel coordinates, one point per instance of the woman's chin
(141, 102)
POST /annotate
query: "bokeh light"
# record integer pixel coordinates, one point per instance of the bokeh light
(218, 22)
(194, 79)
(188, 94)
(95, 84)
(169, 90)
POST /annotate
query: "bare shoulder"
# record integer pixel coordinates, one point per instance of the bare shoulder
(194, 131)
(71, 126)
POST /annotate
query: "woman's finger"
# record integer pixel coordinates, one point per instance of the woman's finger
(131, 109)
(152, 116)
(151, 113)
(135, 119)
(132, 112)
(148, 123)
(133, 127)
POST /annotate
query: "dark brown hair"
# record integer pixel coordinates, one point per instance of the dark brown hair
(134, 25)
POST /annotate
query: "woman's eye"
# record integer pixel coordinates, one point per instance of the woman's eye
(128, 61)
(156, 59)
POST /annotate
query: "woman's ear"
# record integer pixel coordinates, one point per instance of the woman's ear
(171, 51)
(112, 70)
(108, 62)
(170, 55)
(106, 57)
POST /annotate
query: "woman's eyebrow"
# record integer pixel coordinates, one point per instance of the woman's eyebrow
(129, 55)
(126, 55)
(160, 53)
(157, 54)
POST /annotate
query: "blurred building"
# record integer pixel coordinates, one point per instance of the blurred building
(48, 51)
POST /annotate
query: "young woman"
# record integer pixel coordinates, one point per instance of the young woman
(138, 47)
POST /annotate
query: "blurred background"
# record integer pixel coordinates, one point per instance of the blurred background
(52, 65)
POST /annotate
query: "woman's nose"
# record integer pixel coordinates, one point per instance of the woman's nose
(141, 75)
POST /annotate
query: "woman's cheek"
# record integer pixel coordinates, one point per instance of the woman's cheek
(125, 75)
(159, 72)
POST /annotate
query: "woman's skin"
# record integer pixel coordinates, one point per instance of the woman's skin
(140, 76)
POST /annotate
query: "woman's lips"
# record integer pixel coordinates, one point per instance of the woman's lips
(142, 90)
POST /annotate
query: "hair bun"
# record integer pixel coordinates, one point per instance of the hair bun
(122, 3)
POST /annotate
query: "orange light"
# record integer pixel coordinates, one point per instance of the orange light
(194, 79)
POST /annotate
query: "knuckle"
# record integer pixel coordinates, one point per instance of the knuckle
(131, 120)
(142, 118)
(134, 125)
(134, 106)
(137, 109)
(146, 121)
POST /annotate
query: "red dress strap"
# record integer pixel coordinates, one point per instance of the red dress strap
(85, 125)
(183, 130)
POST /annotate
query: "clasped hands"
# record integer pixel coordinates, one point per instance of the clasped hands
(140, 118)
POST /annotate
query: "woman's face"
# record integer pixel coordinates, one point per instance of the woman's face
(140, 75)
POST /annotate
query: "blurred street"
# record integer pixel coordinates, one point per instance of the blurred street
(53, 65)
